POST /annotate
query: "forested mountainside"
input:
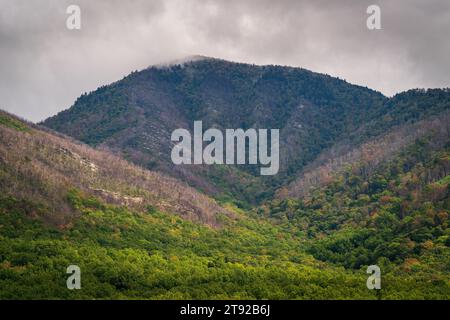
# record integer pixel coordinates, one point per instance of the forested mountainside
(387, 201)
(42, 168)
(364, 180)
(370, 153)
(136, 116)
(138, 234)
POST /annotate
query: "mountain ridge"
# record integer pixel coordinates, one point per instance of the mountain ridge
(57, 163)
(135, 116)
(396, 217)
(378, 191)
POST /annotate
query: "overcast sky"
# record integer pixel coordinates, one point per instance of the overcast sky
(44, 66)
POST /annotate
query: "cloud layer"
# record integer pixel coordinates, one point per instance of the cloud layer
(44, 66)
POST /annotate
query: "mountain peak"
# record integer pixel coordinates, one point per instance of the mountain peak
(181, 61)
(138, 114)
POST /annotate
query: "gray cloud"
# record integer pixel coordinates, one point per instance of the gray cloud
(44, 66)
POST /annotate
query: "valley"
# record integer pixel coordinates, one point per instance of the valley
(363, 180)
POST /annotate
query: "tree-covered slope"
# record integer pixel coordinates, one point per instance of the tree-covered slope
(136, 116)
(41, 167)
(387, 203)
(364, 180)
(51, 217)
(314, 112)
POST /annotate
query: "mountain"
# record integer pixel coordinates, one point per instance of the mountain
(364, 180)
(138, 234)
(387, 200)
(412, 115)
(43, 168)
(136, 116)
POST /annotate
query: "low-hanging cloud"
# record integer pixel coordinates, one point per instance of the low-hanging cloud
(44, 66)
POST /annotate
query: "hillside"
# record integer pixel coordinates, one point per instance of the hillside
(316, 114)
(41, 167)
(133, 241)
(386, 201)
(136, 116)
(377, 142)
(364, 180)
